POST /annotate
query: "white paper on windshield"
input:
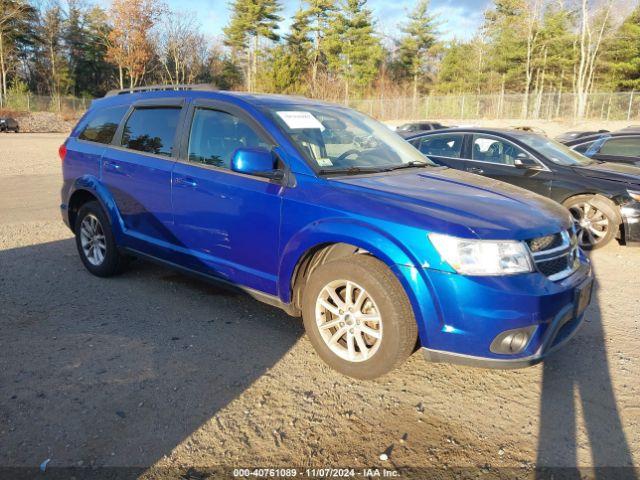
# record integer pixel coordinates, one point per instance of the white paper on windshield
(325, 162)
(298, 120)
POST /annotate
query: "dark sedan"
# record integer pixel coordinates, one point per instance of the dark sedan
(603, 197)
(409, 129)
(8, 124)
(620, 147)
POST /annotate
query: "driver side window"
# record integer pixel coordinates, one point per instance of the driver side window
(495, 150)
(216, 135)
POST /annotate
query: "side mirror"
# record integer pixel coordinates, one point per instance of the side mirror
(523, 160)
(256, 161)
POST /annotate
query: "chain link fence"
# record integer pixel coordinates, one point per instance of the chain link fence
(548, 106)
(28, 102)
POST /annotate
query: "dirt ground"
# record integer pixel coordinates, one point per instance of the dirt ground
(157, 371)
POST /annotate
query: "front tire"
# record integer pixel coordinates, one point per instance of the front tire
(94, 240)
(358, 317)
(596, 225)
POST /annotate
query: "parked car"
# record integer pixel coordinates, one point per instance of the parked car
(8, 124)
(618, 147)
(575, 135)
(327, 214)
(417, 127)
(603, 197)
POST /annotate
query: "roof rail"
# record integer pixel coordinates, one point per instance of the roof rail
(158, 88)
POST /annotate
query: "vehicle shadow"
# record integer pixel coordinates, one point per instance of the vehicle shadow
(580, 373)
(120, 371)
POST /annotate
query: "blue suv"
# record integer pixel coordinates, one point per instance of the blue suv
(329, 215)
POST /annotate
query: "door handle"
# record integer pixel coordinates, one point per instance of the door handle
(113, 166)
(186, 182)
(475, 170)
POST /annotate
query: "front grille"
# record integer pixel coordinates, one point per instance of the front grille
(554, 266)
(555, 256)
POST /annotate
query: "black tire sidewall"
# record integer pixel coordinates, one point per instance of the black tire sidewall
(111, 263)
(391, 301)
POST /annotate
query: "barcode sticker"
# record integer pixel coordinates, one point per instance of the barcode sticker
(298, 120)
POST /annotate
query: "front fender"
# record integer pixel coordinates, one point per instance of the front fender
(92, 184)
(381, 244)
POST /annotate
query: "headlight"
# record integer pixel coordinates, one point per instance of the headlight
(634, 194)
(482, 257)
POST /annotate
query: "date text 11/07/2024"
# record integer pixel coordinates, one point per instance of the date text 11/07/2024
(315, 472)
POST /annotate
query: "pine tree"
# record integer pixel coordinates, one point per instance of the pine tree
(623, 54)
(419, 38)
(318, 14)
(352, 48)
(251, 21)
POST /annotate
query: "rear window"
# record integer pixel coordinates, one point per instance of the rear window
(151, 130)
(103, 124)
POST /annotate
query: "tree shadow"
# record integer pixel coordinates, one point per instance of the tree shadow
(119, 371)
(580, 373)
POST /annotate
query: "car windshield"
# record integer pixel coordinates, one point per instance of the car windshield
(555, 151)
(336, 139)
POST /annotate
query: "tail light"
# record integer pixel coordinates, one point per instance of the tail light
(62, 152)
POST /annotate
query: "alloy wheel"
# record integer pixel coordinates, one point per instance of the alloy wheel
(92, 239)
(349, 320)
(591, 223)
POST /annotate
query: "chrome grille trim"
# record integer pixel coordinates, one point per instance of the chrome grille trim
(568, 249)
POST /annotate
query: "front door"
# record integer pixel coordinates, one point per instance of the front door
(495, 157)
(227, 223)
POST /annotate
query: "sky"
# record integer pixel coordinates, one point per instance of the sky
(459, 18)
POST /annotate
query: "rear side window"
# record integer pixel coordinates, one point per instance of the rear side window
(621, 147)
(442, 145)
(103, 124)
(151, 130)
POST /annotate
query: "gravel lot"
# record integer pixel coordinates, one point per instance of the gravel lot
(154, 370)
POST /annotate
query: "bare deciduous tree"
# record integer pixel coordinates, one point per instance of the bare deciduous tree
(11, 11)
(593, 27)
(181, 48)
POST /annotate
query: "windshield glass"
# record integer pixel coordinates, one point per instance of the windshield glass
(337, 139)
(555, 151)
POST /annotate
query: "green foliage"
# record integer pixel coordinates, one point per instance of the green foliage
(420, 36)
(623, 54)
(352, 47)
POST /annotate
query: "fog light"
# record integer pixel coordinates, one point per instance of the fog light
(513, 341)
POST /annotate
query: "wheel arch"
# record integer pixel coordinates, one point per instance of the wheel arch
(89, 188)
(328, 240)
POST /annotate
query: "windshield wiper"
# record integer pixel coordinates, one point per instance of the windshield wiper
(411, 164)
(351, 170)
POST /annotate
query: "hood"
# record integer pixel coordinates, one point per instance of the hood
(458, 203)
(619, 172)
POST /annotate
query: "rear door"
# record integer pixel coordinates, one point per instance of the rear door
(617, 149)
(228, 222)
(444, 149)
(137, 167)
(495, 157)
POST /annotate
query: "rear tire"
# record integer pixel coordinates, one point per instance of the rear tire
(358, 317)
(596, 223)
(94, 240)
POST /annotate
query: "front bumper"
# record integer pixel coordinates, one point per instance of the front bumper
(631, 222)
(459, 317)
(562, 329)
